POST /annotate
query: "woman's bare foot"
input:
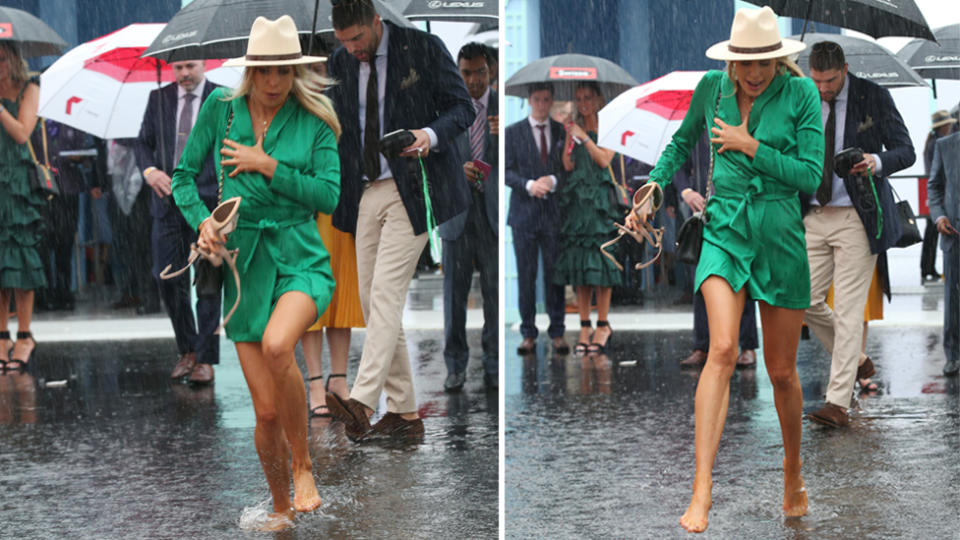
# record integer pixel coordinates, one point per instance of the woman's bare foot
(5, 346)
(23, 349)
(305, 496)
(338, 385)
(277, 521)
(586, 332)
(318, 399)
(695, 518)
(794, 492)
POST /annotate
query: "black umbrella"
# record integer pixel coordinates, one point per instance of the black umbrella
(933, 61)
(437, 10)
(564, 71)
(868, 60)
(876, 18)
(220, 28)
(32, 36)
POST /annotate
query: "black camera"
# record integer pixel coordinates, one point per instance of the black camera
(845, 160)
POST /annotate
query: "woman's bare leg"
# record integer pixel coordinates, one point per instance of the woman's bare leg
(338, 340)
(603, 311)
(713, 392)
(268, 434)
(294, 313)
(24, 300)
(313, 357)
(781, 333)
(5, 344)
(584, 294)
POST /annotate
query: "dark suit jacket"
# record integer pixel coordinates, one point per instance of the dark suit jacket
(872, 124)
(522, 163)
(148, 145)
(424, 89)
(944, 185)
(453, 228)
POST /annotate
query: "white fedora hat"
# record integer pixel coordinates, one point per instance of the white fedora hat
(273, 43)
(754, 35)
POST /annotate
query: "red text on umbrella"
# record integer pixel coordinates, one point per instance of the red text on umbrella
(623, 138)
(71, 101)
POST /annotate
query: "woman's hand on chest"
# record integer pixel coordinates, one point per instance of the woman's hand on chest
(736, 138)
(247, 158)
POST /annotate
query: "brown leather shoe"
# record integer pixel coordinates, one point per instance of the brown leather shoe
(747, 359)
(184, 366)
(394, 426)
(201, 374)
(830, 415)
(527, 346)
(352, 413)
(696, 359)
(560, 345)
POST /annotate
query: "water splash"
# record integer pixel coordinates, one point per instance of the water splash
(258, 518)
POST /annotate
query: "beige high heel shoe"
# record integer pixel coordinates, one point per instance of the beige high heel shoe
(646, 201)
(224, 220)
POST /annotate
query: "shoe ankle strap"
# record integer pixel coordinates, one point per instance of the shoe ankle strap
(602, 323)
(5, 334)
(585, 323)
(24, 335)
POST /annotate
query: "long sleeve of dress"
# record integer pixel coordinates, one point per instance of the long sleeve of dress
(199, 144)
(803, 172)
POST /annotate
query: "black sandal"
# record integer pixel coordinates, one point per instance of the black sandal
(600, 348)
(5, 335)
(315, 412)
(581, 348)
(22, 364)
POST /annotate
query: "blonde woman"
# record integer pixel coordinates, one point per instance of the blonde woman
(767, 134)
(277, 140)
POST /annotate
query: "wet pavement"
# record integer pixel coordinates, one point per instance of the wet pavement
(596, 447)
(96, 442)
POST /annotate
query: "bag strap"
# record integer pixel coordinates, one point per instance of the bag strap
(220, 183)
(33, 155)
(620, 186)
(43, 136)
(716, 110)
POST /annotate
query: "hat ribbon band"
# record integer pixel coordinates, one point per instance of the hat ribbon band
(755, 50)
(272, 57)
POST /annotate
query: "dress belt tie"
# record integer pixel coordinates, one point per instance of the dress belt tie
(266, 226)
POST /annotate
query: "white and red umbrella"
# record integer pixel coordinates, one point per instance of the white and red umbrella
(640, 122)
(102, 86)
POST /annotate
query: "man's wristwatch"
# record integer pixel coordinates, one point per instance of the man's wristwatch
(148, 170)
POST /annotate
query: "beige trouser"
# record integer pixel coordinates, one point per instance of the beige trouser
(387, 255)
(840, 254)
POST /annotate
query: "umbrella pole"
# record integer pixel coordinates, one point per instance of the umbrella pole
(313, 31)
(806, 20)
(163, 150)
(934, 85)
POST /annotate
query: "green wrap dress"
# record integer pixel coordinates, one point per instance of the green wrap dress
(21, 221)
(588, 205)
(754, 235)
(279, 247)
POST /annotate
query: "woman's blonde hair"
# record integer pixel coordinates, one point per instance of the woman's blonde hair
(784, 65)
(306, 85)
(18, 66)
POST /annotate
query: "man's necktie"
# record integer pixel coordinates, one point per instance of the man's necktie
(371, 127)
(183, 127)
(477, 131)
(825, 191)
(543, 143)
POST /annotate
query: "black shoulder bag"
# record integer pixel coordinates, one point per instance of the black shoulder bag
(690, 235)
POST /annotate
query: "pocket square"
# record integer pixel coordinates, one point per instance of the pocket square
(410, 80)
(865, 125)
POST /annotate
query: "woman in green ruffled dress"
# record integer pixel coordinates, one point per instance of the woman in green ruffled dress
(589, 211)
(21, 225)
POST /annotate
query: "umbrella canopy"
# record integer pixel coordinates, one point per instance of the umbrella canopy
(102, 86)
(32, 36)
(876, 18)
(564, 71)
(220, 28)
(867, 59)
(640, 122)
(932, 60)
(436, 10)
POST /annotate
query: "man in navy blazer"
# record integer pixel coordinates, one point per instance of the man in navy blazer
(415, 85)
(171, 112)
(470, 238)
(531, 166)
(944, 201)
(852, 220)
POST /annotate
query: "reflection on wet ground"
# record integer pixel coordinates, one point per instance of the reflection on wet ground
(95, 442)
(598, 448)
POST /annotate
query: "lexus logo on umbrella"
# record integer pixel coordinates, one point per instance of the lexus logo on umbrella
(6, 30)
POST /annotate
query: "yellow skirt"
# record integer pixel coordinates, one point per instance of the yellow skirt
(874, 308)
(344, 310)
